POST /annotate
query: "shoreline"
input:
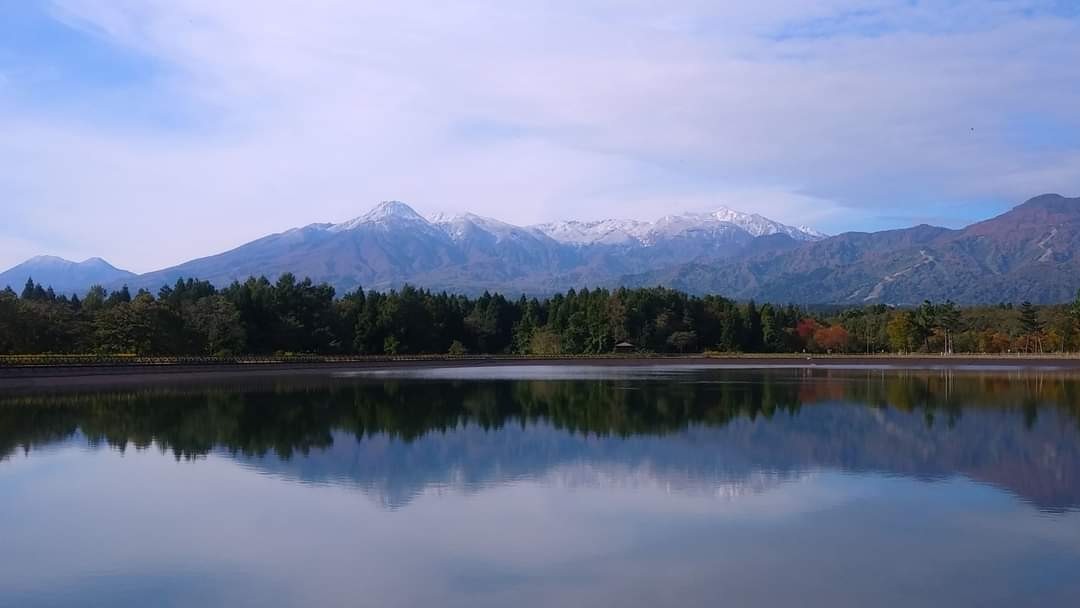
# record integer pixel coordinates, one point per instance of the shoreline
(21, 378)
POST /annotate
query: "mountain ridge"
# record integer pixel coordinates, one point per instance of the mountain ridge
(64, 276)
(392, 244)
(1031, 252)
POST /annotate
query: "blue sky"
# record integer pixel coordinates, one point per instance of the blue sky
(152, 131)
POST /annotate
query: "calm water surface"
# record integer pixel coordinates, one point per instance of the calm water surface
(535, 486)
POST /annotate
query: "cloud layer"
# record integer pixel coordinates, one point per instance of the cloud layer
(166, 129)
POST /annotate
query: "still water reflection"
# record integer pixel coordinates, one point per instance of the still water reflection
(539, 487)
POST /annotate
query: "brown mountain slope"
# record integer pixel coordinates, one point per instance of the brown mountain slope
(1028, 253)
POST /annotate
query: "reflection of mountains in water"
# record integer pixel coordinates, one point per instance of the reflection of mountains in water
(470, 459)
(717, 433)
(1040, 463)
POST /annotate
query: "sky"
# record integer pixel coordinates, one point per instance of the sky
(149, 132)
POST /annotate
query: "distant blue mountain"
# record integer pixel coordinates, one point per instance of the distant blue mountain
(64, 276)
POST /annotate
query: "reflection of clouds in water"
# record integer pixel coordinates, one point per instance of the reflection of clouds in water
(647, 477)
(205, 585)
(556, 539)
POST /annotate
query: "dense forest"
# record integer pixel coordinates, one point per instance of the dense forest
(258, 316)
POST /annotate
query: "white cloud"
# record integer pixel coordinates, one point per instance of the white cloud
(295, 112)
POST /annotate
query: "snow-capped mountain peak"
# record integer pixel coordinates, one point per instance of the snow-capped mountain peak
(759, 225)
(727, 214)
(471, 218)
(386, 211)
(392, 210)
(459, 225)
(817, 234)
(605, 232)
(445, 218)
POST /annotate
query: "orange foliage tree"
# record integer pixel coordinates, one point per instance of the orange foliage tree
(832, 338)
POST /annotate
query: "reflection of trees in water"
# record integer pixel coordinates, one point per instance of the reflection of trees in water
(298, 419)
(290, 418)
(710, 426)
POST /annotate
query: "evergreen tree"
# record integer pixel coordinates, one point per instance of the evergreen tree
(948, 318)
(1074, 316)
(526, 325)
(753, 338)
(923, 322)
(772, 335)
(901, 332)
(1031, 327)
(119, 297)
(95, 299)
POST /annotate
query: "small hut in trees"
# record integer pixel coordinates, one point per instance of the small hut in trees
(623, 348)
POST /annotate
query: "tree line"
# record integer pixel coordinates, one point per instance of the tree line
(257, 316)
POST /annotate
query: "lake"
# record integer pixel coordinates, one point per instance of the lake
(547, 486)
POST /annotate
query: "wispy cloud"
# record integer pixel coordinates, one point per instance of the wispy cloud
(234, 119)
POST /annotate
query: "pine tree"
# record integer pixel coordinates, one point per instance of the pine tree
(948, 317)
(923, 322)
(123, 296)
(1031, 326)
(524, 328)
(772, 336)
(753, 339)
(28, 290)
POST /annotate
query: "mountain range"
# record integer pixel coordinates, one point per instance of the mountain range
(1028, 253)
(1031, 252)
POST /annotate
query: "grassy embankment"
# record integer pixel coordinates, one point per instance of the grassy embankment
(12, 361)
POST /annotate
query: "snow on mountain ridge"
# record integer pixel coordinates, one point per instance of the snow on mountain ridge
(759, 225)
(574, 232)
(616, 232)
(458, 225)
(606, 232)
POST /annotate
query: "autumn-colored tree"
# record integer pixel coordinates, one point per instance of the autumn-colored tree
(833, 338)
(805, 330)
